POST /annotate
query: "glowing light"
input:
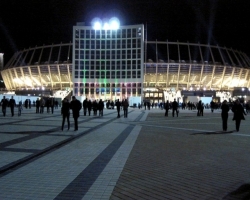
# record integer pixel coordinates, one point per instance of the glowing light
(106, 26)
(111, 24)
(96, 23)
(97, 26)
(114, 23)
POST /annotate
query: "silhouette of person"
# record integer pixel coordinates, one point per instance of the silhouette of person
(4, 103)
(75, 106)
(118, 107)
(65, 112)
(224, 114)
(239, 113)
(12, 104)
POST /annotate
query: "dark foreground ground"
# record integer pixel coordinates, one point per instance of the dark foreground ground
(144, 156)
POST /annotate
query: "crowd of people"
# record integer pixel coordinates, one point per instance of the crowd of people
(239, 109)
(88, 106)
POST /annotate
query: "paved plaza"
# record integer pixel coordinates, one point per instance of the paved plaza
(145, 156)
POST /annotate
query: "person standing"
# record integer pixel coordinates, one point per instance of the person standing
(200, 108)
(85, 106)
(239, 113)
(37, 105)
(118, 107)
(42, 103)
(20, 107)
(65, 112)
(89, 107)
(12, 104)
(175, 108)
(75, 106)
(100, 107)
(4, 103)
(95, 107)
(52, 104)
(125, 108)
(47, 103)
(166, 108)
(224, 114)
(212, 105)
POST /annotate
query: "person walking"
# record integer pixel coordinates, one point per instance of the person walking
(52, 104)
(175, 108)
(37, 105)
(224, 114)
(75, 106)
(125, 108)
(12, 104)
(118, 107)
(20, 107)
(89, 107)
(95, 107)
(42, 104)
(200, 108)
(65, 112)
(239, 113)
(100, 107)
(166, 108)
(212, 105)
(4, 103)
(85, 106)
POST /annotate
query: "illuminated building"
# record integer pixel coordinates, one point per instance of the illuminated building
(110, 63)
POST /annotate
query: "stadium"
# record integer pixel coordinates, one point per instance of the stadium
(111, 64)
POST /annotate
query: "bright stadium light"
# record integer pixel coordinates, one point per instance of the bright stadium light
(111, 24)
(114, 23)
(96, 23)
(106, 26)
(97, 26)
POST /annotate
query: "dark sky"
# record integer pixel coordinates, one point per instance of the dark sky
(27, 23)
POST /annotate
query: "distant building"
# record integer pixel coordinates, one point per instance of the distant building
(108, 64)
(120, 63)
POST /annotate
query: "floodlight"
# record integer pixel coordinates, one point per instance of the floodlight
(96, 23)
(97, 26)
(105, 26)
(114, 23)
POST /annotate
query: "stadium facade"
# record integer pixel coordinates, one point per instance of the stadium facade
(121, 63)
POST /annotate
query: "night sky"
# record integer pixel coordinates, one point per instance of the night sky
(30, 23)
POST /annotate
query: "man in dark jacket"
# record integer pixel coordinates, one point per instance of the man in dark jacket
(65, 112)
(175, 108)
(85, 106)
(125, 108)
(12, 104)
(166, 108)
(239, 113)
(75, 106)
(224, 114)
(100, 107)
(4, 104)
(118, 107)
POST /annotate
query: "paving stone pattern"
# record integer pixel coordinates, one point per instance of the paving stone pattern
(144, 156)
